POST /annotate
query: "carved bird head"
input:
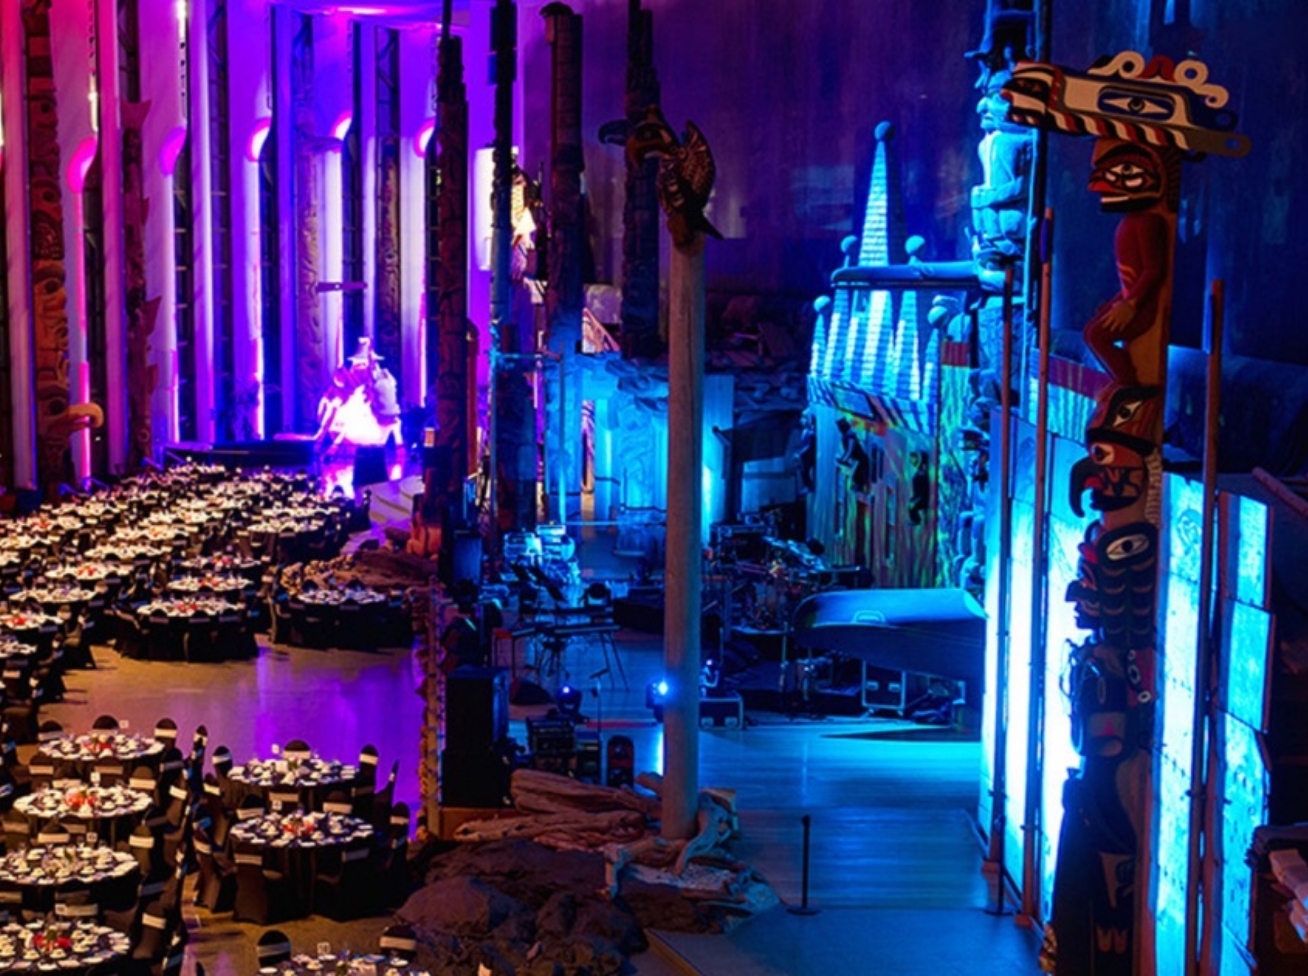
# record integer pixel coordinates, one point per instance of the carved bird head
(652, 136)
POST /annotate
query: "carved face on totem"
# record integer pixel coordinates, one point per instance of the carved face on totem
(1126, 575)
(1119, 439)
(1130, 177)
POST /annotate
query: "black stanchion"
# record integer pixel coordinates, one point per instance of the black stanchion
(803, 907)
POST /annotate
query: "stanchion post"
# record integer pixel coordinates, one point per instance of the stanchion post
(803, 907)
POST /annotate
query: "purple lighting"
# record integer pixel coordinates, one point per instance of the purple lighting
(171, 149)
(80, 163)
(258, 136)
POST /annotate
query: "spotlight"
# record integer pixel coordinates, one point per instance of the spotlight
(568, 701)
(656, 694)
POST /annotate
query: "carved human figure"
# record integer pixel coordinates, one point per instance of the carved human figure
(854, 456)
(1000, 200)
(1141, 183)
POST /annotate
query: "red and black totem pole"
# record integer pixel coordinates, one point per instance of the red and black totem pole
(1147, 116)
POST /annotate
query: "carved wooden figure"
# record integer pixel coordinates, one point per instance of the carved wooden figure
(1145, 115)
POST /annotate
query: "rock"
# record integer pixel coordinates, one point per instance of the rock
(555, 920)
(657, 906)
(461, 906)
(601, 918)
(525, 870)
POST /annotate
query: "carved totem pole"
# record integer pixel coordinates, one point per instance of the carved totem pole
(1147, 116)
(685, 182)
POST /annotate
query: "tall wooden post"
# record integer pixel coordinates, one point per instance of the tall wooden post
(565, 296)
(685, 182)
(681, 628)
(452, 414)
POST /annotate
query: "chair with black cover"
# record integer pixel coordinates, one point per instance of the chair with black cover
(53, 834)
(157, 928)
(200, 642)
(21, 714)
(216, 890)
(174, 957)
(143, 780)
(343, 881)
(75, 904)
(132, 638)
(165, 732)
(263, 896)
(172, 770)
(147, 848)
(109, 770)
(398, 942)
(382, 800)
(8, 790)
(392, 866)
(105, 723)
(363, 792)
(252, 806)
(42, 771)
(17, 829)
(274, 948)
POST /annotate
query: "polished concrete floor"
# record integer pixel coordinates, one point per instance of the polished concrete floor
(895, 863)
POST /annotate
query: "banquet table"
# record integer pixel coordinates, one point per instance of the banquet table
(37, 871)
(311, 778)
(128, 552)
(68, 948)
(84, 751)
(87, 571)
(294, 841)
(102, 808)
(30, 626)
(222, 584)
(180, 636)
(63, 600)
(346, 964)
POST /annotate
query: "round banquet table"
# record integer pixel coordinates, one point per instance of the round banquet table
(103, 808)
(31, 627)
(221, 584)
(88, 572)
(293, 840)
(67, 948)
(347, 964)
(311, 778)
(36, 872)
(84, 751)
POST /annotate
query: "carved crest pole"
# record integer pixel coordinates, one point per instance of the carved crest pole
(565, 296)
(685, 181)
(452, 414)
(1145, 116)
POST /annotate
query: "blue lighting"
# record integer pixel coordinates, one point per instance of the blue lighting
(662, 689)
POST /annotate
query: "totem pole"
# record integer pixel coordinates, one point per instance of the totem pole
(565, 297)
(685, 181)
(56, 418)
(453, 409)
(1146, 116)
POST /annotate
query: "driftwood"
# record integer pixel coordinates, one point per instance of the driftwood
(539, 792)
(563, 826)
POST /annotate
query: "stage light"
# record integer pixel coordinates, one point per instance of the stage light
(568, 700)
(656, 694)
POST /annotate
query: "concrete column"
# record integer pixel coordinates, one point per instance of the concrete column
(334, 109)
(285, 22)
(71, 26)
(249, 119)
(681, 627)
(18, 235)
(163, 134)
(111, 174)
(366, 119)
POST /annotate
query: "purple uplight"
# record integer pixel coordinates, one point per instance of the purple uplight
(80, 163)
(258, 136)
(171, 149)
(423, 138)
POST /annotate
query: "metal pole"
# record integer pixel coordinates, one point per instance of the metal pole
(1203, 676)
(1039, 595)
(998, 794)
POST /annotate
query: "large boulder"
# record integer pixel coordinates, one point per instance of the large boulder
(461, 906)
(523, 869)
